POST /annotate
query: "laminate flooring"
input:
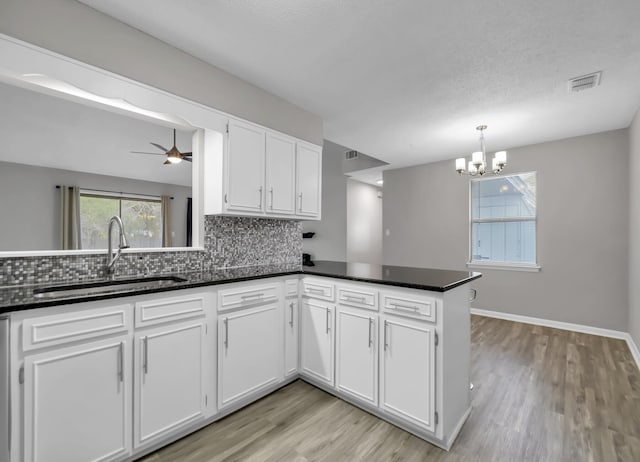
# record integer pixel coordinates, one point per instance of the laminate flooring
(540, 394)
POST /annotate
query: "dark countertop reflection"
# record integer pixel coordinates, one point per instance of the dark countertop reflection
(402, 276)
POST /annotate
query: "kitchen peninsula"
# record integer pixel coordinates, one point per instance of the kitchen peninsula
(135, 369)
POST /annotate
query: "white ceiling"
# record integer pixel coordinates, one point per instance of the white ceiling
(43, 130)
(407, 81)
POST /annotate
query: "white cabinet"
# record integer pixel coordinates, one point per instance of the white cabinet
(291, 337)
(77, 402)
(407, 375)
(254, 171)
(249, 352)
(357, 354)
(308, 180)
(317, 340)
(245, 167)
(169, 371)
(280, 175)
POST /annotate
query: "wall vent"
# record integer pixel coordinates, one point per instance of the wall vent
(351, 155)
(584, 82)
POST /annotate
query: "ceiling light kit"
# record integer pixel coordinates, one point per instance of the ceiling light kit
(478, 163)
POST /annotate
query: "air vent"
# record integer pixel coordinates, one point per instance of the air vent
(584, 82)
(351, 155)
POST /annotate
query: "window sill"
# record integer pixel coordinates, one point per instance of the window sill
(531, 268)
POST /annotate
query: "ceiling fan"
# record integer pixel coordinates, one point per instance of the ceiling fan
(173, 155)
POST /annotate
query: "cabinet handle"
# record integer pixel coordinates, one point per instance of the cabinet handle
(260, 202)
(386, 344)
(226, 333)
(314, 290)
(475, 294)
(327, 331)
(291, 319)
(271, 194)
(396, 306)
(249, 296)
(300, 202)
(354, 298)
(145, 356)
(121, 362)
(370, 336)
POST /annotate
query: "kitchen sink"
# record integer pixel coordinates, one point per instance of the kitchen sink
(106, 287)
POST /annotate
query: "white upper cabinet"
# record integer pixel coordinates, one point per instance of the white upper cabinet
(245, 168)
(254, 171)
(280, 175)
(308, 180)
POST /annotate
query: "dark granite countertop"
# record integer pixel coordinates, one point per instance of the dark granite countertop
(22, 297)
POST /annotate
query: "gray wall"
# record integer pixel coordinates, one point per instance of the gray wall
(583, 229)
(330, 241)
(78, 31)
(634, 229)
(30, 205)
(364, 223)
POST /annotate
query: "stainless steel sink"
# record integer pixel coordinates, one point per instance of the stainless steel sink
(106, 287)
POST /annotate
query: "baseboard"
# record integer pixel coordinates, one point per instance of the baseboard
(583, 329)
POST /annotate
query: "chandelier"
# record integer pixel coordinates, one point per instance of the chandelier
(478, 163)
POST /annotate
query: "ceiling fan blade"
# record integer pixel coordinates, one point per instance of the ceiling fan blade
(187, 154)
(160, 147)
(150, 153)
(166, 162)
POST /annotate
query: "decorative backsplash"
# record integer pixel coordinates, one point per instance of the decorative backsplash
(228, 242)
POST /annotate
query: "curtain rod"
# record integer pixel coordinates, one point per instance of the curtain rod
(115, 192)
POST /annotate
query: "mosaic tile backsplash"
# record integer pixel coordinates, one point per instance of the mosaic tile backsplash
(228, 242)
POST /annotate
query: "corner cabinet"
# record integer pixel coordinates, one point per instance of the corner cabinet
(254, 171)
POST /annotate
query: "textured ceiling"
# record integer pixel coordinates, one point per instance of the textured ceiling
(408, 81)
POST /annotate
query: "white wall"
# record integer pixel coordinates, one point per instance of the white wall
(634, 229)
(80, 32)
(583, 229)
(330, 241)
(364, 223)
(30, 203)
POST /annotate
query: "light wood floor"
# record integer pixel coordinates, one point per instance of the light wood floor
(540, 394)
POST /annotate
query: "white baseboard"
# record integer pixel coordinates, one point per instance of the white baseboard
(635, 352)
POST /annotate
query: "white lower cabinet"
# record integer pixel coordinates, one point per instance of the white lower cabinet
(407, 370)
(169, 379)
(357, 354)
(291, 328)
(249, 352)
(317, 340)
(78, 402)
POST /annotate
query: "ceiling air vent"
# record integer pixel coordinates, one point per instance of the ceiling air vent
(351, 155)
(584, 82)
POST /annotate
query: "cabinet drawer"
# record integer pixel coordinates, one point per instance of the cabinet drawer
(291, 288)
(59, 329)
(238, 297)
(360, 297)
(411, 305)
(154, 312)
(316, 288)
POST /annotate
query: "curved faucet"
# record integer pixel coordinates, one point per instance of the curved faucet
(111, 258)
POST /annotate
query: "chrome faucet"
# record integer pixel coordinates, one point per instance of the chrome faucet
(111, 258)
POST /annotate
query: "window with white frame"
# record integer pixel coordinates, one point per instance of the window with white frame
(503, 220)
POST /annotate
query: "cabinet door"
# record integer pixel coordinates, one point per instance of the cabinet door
(356, 354)
(169, 379)
(407, 385)
(280, 175)
(317, 340)
(249, 352)
(291, 337)
(78, 403)
(245, 168)
(308, 180)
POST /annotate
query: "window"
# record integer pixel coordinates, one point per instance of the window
(142, 218)
(503, 221)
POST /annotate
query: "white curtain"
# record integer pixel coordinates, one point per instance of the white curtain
(70, 218)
